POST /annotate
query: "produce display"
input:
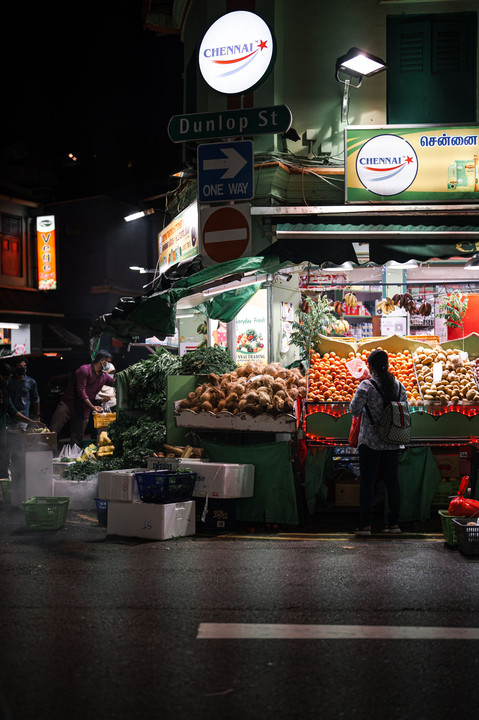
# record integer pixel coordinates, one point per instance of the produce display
(329, 379)
(252, 388)
(445, 377)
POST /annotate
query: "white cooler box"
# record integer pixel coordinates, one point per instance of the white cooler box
(215, 480)
(118, 484)
(151, 521)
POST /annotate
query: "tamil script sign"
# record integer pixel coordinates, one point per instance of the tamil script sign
(412, 163)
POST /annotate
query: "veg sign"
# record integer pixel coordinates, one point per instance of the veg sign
(252, 330)
(412, 163)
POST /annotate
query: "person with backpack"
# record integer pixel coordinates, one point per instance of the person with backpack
(381, 400)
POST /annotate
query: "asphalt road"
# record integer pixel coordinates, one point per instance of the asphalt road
(106, 627)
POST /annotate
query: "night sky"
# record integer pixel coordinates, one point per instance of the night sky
(89, 80)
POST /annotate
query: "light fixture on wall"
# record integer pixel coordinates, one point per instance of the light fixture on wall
(355, 64)
(140, 214)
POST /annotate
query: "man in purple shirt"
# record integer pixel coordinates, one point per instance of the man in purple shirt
(77, 400)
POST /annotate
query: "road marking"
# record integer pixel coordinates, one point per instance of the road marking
(260, 631)
(333, 537)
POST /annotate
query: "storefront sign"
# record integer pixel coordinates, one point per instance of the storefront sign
(179, 240)
(225, 233)
(46, 253)
(236, 52)
(412, 163)
(252, 330)
(230, 123)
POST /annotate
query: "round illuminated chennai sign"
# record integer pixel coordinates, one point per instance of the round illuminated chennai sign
(236, 53)
(386, 165)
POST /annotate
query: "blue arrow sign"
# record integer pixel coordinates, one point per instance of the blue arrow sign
(225, 171)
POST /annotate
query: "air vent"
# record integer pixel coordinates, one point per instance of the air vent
(448, 51)
(412, 52)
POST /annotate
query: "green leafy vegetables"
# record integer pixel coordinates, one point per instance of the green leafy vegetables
(145, 382)
(205, 360)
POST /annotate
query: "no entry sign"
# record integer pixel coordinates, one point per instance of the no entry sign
(225, 232)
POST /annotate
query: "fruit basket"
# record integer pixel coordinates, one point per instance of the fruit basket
(45, 513)
(467, 536)
(6, 484)
(448, 527)
(164, 486)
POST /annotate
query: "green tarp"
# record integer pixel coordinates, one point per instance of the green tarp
(274, 498)
(419, 477)
(226, 306)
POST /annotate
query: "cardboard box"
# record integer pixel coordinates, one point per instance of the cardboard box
(448, 465)
(118, 485)
(150, 521)
(214, 480)
(347, 494)
(215, 515)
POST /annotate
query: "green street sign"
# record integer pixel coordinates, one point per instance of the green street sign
(230, 123)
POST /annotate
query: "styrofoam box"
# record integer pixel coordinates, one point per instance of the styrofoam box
(82, 493)
(118, 484)
(215, 480)
(151, 521)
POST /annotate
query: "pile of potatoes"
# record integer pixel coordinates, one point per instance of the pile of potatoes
(252, 388)
(457, 383)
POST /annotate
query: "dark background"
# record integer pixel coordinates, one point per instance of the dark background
(87, 79)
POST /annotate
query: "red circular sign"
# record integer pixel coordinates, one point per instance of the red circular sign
(226, 234)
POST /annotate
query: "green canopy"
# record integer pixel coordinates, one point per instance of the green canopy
(155, 312)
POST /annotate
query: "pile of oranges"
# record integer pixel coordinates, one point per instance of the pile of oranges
(329, 379)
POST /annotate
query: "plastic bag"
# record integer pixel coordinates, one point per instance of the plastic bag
(69, 451)
(354, 432)
(358, 368)
(460, 505)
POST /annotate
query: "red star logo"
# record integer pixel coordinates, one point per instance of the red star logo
(262, 45)
(409, 160)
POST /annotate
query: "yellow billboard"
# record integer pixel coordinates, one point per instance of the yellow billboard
(416, 164)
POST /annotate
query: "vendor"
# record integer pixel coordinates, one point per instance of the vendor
(7, 408)
(77, 401)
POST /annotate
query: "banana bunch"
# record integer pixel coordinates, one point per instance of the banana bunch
(338, 308)
(341, 326)
(351, 300)
(405, 301)
(425, 309)
(386, 306)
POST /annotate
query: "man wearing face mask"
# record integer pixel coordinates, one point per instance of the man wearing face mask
(77, 400)
(23, 391)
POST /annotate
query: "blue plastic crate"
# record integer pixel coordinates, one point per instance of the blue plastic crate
(165, 486)
(102, 511)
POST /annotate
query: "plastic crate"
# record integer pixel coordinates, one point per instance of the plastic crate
(102, 511)
(448, 527)
(467, 536)
(45, 513)
(101, 420)
(6, 484)
(164, 486)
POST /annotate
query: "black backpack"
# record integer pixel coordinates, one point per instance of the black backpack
(394, 426)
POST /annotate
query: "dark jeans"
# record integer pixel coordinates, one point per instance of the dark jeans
(370, 463)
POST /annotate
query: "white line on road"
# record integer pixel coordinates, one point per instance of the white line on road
(260, 631)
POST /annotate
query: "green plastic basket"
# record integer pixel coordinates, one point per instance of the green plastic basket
(45, 513)
(6, 484)
(448, 527)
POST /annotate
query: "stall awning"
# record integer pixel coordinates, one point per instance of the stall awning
(28, 306)
(333, 242)
(231, 283)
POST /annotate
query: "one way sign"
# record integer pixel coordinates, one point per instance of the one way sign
(225, 171)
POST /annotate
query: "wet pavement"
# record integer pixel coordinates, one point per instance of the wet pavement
(94, 626)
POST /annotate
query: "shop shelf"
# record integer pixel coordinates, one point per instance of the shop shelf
(45, 513)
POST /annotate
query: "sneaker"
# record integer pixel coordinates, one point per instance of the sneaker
(362, 531)
(393, 529)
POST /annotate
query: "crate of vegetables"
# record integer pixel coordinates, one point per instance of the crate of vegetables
(164, 486)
